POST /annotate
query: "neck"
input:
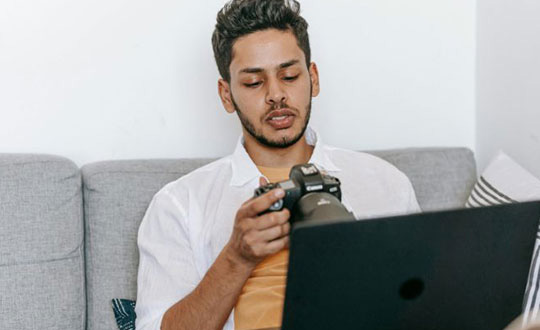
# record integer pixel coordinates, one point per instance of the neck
(298, 153)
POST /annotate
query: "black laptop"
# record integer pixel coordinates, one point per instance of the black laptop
(458, 269)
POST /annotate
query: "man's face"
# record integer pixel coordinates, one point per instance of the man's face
(271, 87)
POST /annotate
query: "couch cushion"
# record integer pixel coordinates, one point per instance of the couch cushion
(117, 193)
(442, 177)
(41, 243)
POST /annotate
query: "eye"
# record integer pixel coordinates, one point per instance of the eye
(251, 85)
(290, 78)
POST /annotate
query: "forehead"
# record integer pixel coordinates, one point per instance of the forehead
(265, 49)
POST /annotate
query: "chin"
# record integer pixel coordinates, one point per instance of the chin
(285, 133)
(285, 138)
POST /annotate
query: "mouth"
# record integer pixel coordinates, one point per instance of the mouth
(280, 119)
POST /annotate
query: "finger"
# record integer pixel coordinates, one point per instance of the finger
(263, 181)
(257, 205)
(277, 245)
(274, 232)
(271, 219)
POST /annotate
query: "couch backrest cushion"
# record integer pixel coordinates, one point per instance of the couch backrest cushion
(116, 195)
(41, 243)
(442, 177)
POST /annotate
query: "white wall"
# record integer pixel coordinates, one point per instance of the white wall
(116, 79)
(508, 82)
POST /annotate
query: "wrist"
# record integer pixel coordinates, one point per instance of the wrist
(236, 261)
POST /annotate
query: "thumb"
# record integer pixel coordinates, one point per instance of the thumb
(263, 181)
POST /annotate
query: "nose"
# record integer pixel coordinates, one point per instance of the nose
(275, 93)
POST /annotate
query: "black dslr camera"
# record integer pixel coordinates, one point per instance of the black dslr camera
(309, 195)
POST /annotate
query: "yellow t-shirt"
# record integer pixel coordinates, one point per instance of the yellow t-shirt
(260, 304)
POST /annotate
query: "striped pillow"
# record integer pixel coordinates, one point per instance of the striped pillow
(484, 194)
(504, 181)
(124, 313)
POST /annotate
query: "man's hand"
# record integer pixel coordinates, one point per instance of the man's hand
(257, 236)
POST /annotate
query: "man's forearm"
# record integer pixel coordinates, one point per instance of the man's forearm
(210, 304)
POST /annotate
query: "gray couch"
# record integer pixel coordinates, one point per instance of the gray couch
(68, 235)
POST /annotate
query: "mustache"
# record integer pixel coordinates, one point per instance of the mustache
(278, 106)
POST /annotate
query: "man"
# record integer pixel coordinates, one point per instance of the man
(208, 260)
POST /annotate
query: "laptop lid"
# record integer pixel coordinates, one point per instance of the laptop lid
(457, 269)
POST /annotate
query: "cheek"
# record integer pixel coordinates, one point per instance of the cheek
(303, 94)
(250, 102)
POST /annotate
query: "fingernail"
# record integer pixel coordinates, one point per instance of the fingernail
(279, 193)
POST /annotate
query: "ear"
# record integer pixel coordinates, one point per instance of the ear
(224, 92)
(314, 75)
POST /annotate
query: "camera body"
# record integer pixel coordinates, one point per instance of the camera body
(318, 190)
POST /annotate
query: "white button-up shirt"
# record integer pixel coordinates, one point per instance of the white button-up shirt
(189, 221)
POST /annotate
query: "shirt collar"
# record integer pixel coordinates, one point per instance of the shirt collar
(244, 170)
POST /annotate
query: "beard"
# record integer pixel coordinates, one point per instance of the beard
(259, 136)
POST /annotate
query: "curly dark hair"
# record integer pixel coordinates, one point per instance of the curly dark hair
(241, 17)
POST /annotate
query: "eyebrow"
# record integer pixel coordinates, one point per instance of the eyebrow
(288, 64)
(259, 70)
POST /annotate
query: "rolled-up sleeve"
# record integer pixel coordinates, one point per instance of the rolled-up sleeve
(412, 204)
(167, 270)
